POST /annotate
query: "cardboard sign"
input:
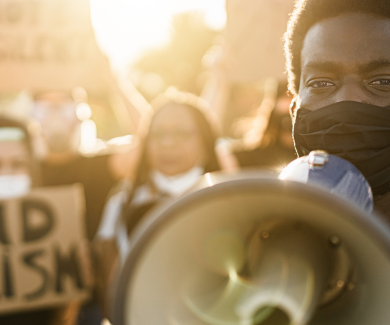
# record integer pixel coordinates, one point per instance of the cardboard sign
(42, 256)
(49, 45)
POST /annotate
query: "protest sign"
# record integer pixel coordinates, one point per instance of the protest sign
(46, 44)
(42, 256)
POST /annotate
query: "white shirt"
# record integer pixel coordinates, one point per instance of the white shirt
(111, 226)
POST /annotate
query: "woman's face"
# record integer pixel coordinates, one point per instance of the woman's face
(14, 158)
(175, 144)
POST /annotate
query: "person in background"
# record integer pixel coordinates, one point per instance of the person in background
(276, 148)
(19, 173)
(63, 164)
(177, 148)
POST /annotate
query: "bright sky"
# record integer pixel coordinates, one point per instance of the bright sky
(126, 28)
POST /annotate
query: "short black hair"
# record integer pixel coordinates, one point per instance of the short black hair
(309, 12)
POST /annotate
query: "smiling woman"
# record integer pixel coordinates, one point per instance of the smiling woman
(126, 28)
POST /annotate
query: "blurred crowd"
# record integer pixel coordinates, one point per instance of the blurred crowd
(218, 122)
(128, 160)
(178, 142)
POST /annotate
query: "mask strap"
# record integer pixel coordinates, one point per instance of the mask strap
(298, 148)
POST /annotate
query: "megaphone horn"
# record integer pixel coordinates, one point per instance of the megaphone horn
(256, 251)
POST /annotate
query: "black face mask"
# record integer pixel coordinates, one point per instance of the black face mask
(357, 132)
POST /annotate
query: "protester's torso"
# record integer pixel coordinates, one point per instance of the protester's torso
(94, 174)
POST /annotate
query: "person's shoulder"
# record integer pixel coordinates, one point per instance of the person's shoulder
(113, 207)
(123, 185)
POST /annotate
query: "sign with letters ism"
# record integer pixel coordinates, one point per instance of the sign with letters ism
(42, 251)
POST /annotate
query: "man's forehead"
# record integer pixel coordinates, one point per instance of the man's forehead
(348, 41)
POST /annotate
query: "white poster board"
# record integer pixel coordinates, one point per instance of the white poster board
(42, 251)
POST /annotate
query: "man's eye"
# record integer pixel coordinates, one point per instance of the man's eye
(381, 82)
(321, 84)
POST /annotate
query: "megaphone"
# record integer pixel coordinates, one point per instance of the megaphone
(256, 251)
(333, 173)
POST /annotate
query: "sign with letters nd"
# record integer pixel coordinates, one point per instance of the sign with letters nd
(42, 251)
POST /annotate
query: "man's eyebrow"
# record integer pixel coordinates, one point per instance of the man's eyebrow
(374, 65)
(363, 68)
(323, 66)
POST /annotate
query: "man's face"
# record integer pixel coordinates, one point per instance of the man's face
(346, 58)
